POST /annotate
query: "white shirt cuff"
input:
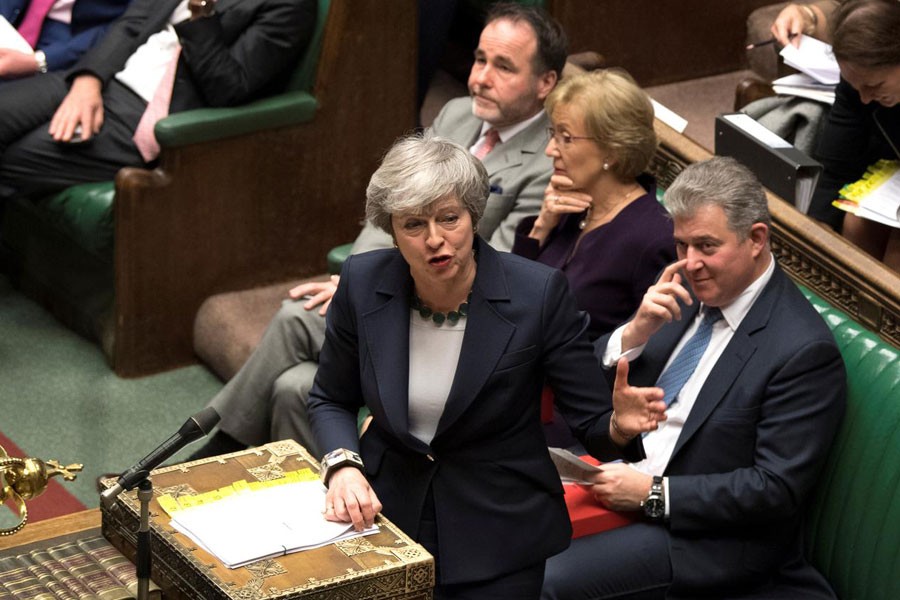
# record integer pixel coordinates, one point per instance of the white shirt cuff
(613, 351)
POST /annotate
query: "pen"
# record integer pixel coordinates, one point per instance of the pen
(769, 41)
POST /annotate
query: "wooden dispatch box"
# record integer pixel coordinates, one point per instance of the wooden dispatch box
(384, 565)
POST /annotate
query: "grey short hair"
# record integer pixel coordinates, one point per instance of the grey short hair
(720, 181)
(421, 169)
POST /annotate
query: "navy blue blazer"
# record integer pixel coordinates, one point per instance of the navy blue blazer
(753, 445)
(498, 498)
(65, 43)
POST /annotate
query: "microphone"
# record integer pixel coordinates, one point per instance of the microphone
(193, 429)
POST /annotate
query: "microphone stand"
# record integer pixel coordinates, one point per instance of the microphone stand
(145, 494)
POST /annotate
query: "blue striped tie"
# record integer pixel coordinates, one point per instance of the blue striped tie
(681, 369)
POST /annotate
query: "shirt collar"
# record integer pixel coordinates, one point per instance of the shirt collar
(735, 312)
(505, 133)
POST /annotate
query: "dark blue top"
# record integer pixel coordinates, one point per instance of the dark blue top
(611, 268)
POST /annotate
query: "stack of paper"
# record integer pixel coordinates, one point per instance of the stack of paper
(813, 57)
(247, 524)
(819, 71)
(804, 86)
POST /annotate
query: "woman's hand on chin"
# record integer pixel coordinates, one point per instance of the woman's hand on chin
(350, 498)
(558, 201)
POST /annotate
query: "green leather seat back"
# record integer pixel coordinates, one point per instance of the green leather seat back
(853, 534)
(305, 74)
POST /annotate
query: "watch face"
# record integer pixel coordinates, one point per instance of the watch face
(654, 507)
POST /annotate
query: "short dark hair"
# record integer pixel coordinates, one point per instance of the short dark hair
(552, 42)
(866, 33)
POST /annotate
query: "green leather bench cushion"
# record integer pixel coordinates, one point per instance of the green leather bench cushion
(853, 534)
(83, 213)
(337, 256)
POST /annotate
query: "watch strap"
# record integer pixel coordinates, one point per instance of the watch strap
(337, 459)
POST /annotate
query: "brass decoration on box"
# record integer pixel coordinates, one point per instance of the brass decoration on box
(25, 478)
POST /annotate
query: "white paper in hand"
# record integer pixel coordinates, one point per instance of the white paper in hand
(571, 468)
(813, 57)
(11, 39)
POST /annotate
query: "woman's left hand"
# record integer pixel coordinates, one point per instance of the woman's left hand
(351, 498)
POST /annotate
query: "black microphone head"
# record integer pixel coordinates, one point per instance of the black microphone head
(207, 419)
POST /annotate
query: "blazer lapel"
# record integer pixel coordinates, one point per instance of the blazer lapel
(732, 362)
(387, 339)
(486, 339)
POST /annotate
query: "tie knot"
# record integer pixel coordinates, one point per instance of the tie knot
(711, 314)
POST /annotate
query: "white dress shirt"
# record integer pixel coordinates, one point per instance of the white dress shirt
(145, 68)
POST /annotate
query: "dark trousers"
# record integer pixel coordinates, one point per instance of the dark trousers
(32, 164)
(629, 562)
(524, 584)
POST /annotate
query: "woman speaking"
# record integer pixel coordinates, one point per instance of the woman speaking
(448, 343)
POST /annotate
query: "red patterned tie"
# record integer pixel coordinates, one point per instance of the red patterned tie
(30, 27)
(157, 108)
(491, 137)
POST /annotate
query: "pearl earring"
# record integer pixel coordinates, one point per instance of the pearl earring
(606, 166)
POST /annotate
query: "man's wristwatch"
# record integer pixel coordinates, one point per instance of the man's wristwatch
(655, 503)
(41, 60)
(336, 459)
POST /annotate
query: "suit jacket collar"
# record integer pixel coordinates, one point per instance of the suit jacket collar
(387, 337)
(516, 150)
(733, 359)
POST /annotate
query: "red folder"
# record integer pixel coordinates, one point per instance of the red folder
(587, 515)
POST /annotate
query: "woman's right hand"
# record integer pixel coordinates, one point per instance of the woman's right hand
(350, 498)
(559, 199)
(790, 23)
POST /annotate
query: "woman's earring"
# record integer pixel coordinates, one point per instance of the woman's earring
(605, 166)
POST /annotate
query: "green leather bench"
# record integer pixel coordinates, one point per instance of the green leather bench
(853, 528)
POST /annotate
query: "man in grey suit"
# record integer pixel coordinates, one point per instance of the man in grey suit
(519, 59)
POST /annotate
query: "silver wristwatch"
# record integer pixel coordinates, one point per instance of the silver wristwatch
(336, 459)
(41, 60)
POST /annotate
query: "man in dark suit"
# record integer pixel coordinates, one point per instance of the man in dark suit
(60, 42)
(754, 400)
(231, 52)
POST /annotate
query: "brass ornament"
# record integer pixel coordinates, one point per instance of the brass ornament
(25, 478)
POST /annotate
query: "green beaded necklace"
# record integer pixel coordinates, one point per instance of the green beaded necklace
(452, 317)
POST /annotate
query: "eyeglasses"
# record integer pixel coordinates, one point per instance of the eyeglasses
(565, 139)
